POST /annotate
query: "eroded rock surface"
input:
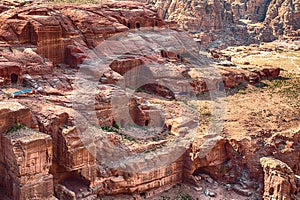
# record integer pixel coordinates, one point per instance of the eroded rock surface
(206, 18)
(279, 180)
(86, 133)
(26, 157)
(14, 113)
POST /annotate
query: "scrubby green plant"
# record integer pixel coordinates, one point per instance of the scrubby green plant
(15, 127)
(170, 133)
(185, 197)
(131, 139)
(116, 125)
(23, 3)
(109, 129)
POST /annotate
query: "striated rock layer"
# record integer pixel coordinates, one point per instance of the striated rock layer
(27, 159)
(58, 31)
(25, 156)
(277, 18)
(43, 47)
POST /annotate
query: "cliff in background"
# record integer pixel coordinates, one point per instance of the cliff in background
(264, 20)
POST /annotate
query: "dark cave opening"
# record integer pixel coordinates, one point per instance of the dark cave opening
(14, 78)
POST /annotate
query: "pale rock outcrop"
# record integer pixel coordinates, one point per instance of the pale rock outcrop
(279, 180)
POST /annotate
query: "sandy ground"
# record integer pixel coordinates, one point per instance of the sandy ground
(272, 105)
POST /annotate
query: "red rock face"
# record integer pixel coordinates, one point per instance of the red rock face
(28, 159)
(57, 39)
(13, 65)
(10, 73)
(26, 155)
(12, 113)
(279, 17)
(54, 29)
(283, 17)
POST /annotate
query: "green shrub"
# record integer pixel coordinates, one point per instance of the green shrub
(185, 197)
(109, 129)
(116, 125)
(15, 127)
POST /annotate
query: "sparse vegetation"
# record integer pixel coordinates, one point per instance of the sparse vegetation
(116, 125)
(185, 197)
(155, 148)
(143, 90)
(240, 88)
(205, 111)
(170, 133)
(8, 96)
(130, 126)
(287, 87)
(109, 129)
(115, 129)
(15, 127)
(131, 139)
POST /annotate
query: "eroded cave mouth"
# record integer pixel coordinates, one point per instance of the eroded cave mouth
(157, 89)
(14, 78)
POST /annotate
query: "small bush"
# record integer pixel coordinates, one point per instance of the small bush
(131, 139)
(15, 127)
(116, 125)
(109, 129)
(185, 197)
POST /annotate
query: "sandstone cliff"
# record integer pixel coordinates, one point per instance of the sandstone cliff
(280, 181)
(265, 20)
(48, 47)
